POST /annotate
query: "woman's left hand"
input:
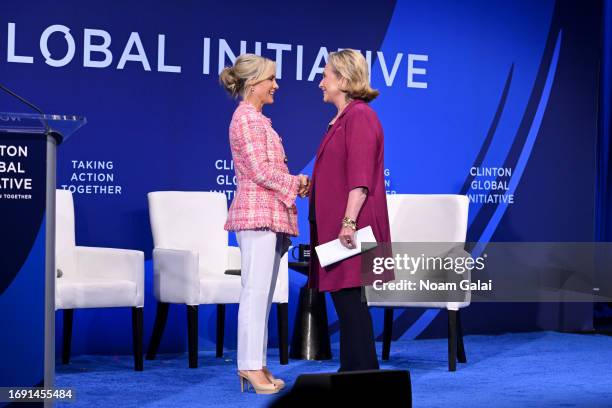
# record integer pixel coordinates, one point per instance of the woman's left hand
(347, 237)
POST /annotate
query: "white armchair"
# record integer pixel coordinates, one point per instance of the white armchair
(90, 277)
(191, 258)
(420, 218)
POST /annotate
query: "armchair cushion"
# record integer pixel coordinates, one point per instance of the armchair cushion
(219, 289)
(87, 293)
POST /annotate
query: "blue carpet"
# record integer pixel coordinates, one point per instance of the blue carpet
(543, 369)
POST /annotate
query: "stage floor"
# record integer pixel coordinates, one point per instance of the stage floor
(542, 369)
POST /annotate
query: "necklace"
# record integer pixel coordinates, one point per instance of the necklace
(339, 113)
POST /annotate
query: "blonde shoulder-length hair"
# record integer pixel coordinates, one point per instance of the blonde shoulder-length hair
(352, 69)
(248, 70)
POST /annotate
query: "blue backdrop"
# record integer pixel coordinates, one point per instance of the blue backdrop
(471, 93)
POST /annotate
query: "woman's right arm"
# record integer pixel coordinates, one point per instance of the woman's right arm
(249, 143)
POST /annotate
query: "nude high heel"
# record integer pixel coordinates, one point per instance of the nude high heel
(276, 381)
(259, 388)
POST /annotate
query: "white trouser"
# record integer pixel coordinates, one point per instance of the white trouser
(260, 256)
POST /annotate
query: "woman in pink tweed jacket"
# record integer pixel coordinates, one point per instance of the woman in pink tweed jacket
(266, 191)
(263, 212)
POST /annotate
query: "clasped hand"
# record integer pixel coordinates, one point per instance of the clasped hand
(304, 189)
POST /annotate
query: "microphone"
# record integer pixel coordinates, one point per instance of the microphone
(48, 130)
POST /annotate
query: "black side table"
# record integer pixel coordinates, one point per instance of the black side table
(310, 339)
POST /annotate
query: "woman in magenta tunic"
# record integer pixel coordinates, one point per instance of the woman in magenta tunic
(348, 193)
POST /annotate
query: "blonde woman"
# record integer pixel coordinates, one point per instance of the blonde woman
(263, 212)
(347, 193)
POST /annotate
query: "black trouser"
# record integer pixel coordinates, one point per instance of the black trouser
(357, 349)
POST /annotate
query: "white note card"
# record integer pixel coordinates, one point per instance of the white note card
(333, 251)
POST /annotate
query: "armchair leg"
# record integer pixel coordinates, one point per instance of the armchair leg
(387, 333)
(137, 322)
(220, 329)
(461, 357)
(452, 340)
(67, 335)
(192, 335)
(161, 316)
(282, 315)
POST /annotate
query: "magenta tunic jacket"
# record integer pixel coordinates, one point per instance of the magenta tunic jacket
(351, 155)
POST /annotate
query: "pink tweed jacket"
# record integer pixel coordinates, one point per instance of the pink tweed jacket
(266, 193)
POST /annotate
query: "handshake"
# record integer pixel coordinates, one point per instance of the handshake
(304, 189)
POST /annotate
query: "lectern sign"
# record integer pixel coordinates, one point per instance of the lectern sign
(23, 169)
(12, 171)
(22, 199)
